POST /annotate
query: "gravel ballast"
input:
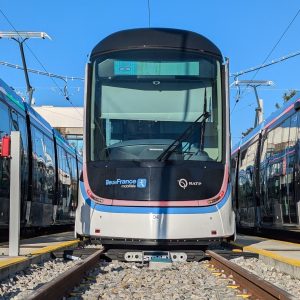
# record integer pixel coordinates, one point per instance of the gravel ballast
(270, 274)
(117, 280)
(24, 282)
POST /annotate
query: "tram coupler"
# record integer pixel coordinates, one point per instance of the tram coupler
(147, 256)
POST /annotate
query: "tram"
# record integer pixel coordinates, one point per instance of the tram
(157, 142)
(48, 199)
(266, 173)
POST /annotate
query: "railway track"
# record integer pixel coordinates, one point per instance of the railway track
(249, 285)
(66, 281)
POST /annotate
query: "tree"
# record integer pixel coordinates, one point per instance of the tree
(247, 131)
(288, 95)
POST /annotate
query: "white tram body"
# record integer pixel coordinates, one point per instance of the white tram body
(157, 142)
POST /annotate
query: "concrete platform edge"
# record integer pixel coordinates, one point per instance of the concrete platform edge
(17, 264)
(286, 265)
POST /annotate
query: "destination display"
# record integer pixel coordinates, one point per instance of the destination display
(146, 68)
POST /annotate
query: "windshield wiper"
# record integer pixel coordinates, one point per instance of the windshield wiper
(173, 147)
(187, 133)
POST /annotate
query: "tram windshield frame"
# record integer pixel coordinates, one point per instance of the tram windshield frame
(142, 101)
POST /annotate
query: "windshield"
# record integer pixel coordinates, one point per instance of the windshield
(140, 107)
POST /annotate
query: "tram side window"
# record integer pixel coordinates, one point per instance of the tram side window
(4, 120)
(14, 120)
(275, 166)
(64, 177)
(262, 168)
(62, 172)
(293, 139)
(50, 168)
(233, 170)
(268, 208)
(75, 181)
(242, 179)
(39, 167)
(68, 180)
(61, 181)
(288, 198)
(246, 176)
(24, 156)
(59, 166)
(72, 163)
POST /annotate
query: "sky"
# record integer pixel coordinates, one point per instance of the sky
(245, 32)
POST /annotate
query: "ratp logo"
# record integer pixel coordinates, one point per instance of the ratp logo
(183, 183)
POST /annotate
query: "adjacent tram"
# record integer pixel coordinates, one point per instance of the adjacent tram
(266, 173)
(157, 142)
(49, 168)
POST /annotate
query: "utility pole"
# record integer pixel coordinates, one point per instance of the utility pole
(259, 111)
(20, 37)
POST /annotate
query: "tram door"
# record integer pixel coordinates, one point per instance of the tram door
(297, 172)
(278, 173)
(288, 192)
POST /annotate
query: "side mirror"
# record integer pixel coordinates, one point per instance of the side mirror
(297, 106)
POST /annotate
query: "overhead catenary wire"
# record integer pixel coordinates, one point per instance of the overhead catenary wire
(38, 72)
(252, 69)
(277, 43)
(63, 92)
(263, 65)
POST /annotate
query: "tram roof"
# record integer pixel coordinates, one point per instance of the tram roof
(150, 38)
(275, 116)
(38, 118)
(11, 95)
(63, 142)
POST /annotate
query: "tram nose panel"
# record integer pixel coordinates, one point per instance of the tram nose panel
(155, 180)
(158, 225)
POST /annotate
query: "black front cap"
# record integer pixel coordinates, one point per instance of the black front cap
(155, 180)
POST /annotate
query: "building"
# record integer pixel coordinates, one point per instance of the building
(67, 120)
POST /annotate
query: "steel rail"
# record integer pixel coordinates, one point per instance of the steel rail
(65, 282)
(257, 287)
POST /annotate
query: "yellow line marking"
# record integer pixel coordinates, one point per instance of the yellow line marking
(12, 261)
(244, 296)
(237, 250)
(16, 260)
(54, 247)
(290, 261)
(271, 240)
(284, 242)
